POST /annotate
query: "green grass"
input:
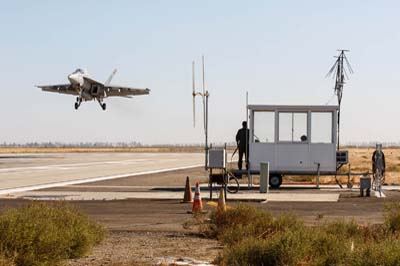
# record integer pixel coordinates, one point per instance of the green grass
(254, 237)
(42, 234)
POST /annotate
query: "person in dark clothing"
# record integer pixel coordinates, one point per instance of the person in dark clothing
(242, 138)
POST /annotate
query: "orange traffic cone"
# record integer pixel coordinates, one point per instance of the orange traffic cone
(221, 201)
(188, 196)
(197, 203)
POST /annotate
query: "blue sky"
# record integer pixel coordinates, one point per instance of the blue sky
(278, 51)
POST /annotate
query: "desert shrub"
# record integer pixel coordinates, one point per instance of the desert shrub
(304, 246)
(241, 216)
(245, 221)
(385, 253)
(346, 229)
(6, 260)
(42, 234)
(285, 248)
(286, 241)
(328, 249)
(392, 217)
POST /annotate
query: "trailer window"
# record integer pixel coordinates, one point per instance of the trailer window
(293, 127)
(321, 127)
(264, 127)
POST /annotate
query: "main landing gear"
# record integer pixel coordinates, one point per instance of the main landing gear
(102, 105)
(79, 101)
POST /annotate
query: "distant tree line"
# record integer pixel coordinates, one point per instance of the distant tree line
(132, 144)
(99, 145)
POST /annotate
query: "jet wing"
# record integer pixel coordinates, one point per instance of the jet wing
(124, 91)
(63, 89)
(90, 80)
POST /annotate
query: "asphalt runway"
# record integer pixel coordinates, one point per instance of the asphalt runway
(22, 172)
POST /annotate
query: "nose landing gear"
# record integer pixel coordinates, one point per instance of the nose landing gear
(78, 102)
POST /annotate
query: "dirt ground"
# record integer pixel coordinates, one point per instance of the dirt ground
(141, 232)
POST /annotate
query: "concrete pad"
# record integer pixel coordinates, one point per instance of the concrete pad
(168, 195)
(379, 195)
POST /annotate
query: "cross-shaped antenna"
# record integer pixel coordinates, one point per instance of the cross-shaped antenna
(338, 71)
(204, 95)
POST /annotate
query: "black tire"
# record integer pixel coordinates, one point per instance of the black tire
(275, 181)
(233, 185)
(104, 106)
(76, 106)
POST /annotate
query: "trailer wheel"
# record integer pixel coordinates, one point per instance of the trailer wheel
(275, 181)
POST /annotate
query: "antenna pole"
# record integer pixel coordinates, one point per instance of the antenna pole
(204, 96)
(206, 130)
(340, 74)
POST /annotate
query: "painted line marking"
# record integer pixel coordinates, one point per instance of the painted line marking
(90, 179)
(52, 166)
(379, 195)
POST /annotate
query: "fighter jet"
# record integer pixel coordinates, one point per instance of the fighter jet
(87, 89)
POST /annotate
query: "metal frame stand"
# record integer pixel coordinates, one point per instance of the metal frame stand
(213, 178)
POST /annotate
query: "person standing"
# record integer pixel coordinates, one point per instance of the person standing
(378, 162)
(242, 138)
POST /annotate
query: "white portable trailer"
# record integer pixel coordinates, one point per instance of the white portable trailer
(294, 140)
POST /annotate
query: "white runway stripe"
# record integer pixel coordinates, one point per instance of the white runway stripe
(71, 165)
(91, 179)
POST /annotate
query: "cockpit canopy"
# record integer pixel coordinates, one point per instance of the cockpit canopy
(79, 70)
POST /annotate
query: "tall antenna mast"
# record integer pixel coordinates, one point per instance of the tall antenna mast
(204, 95)
(338, 71)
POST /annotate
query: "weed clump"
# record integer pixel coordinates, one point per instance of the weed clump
(392, 217)
(42, 234)
(254, 237)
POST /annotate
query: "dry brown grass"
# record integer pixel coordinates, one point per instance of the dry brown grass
(360, 161)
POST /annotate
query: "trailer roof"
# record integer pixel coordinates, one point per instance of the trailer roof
(294, 108)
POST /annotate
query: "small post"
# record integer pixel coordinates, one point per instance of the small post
(264, 177)
(318, 174)
(349, 184)
(250, 178)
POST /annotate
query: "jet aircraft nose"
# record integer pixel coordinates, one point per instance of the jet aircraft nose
(73, 78)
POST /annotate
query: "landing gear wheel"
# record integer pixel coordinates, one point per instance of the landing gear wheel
(275, 181)
(76, 106)
(103, 106)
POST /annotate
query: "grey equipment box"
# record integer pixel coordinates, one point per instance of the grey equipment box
(342, 157)
(217, 158)
(365, 184)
